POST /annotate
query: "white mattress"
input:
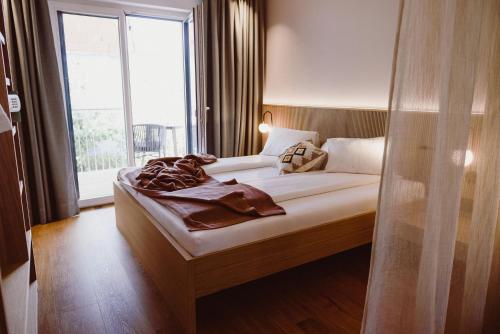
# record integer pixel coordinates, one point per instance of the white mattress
(309, 199)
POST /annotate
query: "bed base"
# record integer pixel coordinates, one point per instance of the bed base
(182, 278)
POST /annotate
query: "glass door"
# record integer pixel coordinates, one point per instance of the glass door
(129, 93)
(157, 87)
(92, 66)
(190, 66)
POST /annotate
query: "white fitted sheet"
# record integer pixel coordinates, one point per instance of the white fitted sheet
(309, 199)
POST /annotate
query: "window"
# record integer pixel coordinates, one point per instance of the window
(129, 94)
(157, 83)
(94, 96)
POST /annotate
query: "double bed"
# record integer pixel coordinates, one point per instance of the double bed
(326, 213)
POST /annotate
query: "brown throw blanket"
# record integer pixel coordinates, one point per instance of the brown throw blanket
(200, 200)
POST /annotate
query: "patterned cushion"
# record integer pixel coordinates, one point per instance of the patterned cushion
(301, 157)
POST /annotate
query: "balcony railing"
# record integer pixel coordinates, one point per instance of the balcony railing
(99, 136)
(100, 140)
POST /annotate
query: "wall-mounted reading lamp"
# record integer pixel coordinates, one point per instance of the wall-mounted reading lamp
(264, 127)
(469, 158)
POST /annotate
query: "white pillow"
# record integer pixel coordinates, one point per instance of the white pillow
(280, 139)
(355, 155)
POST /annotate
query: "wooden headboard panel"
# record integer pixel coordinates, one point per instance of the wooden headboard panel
(330, 122)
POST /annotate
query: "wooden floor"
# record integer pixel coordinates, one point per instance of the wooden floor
(90, 282)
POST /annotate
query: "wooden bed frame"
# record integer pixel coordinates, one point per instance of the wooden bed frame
(181, 278)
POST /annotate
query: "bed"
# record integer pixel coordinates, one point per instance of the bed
(326, 213)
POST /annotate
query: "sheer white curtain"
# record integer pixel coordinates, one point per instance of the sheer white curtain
(436, 254)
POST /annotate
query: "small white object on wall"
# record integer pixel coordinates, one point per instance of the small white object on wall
(14, 103)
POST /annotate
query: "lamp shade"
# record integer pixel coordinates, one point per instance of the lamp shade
(264, 127)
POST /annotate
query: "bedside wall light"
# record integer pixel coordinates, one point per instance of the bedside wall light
(469, 158)
(265, 127)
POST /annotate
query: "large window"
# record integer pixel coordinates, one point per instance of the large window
(94, 94)
(127, 82)
(156, 62)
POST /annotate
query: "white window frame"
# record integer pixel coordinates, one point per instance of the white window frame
(118, 11)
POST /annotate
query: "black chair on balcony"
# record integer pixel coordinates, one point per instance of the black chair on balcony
(149, 141)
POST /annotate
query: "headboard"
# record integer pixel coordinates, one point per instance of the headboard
(330, 122)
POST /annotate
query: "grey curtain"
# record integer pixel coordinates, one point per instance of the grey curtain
(35, 76)
(232, 53)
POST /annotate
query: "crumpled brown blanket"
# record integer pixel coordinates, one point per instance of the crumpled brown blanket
(200, 200)
(174, 173)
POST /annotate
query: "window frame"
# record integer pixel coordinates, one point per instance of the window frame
(120, 12)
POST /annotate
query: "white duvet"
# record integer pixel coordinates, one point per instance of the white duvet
(224, 165)
(292, 186)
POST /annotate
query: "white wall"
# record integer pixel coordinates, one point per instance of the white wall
(335, 53)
